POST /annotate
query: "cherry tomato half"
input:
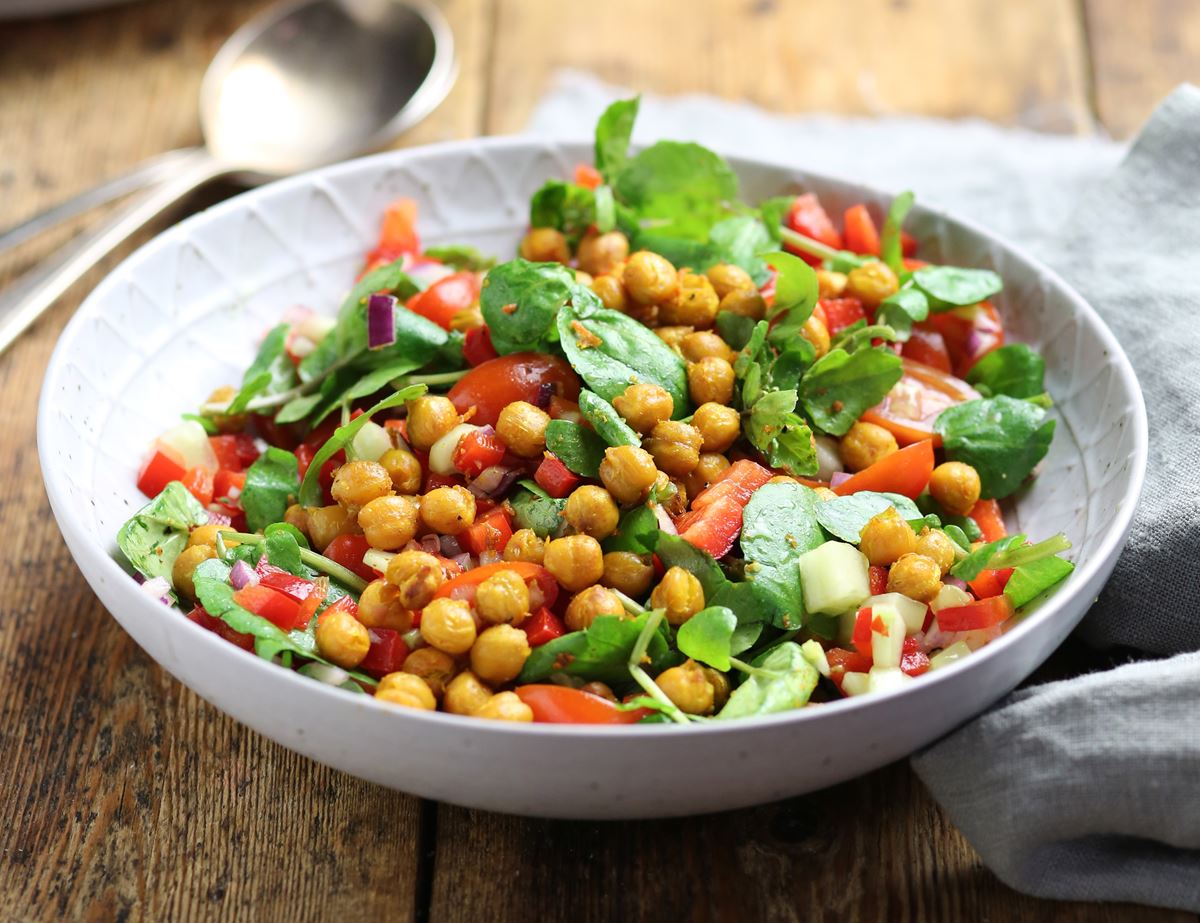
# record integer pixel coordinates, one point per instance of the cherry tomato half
(970, 333)
(495, 384)
(564, 705)
(446, 298)
(915, 401)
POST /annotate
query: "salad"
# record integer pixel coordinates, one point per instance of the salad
(683, 459)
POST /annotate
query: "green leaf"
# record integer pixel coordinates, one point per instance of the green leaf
(298, 408)
(567, 207)
(271, 482)
(535, 509)
(748, 602)
(846, 517)
(680, 188)
(796, 358)
(980, 559)
(271, 372)
(735, 329)
(859, 336)
(889, 241)
(153, 537)
(708, 635)
(1014, 370)
(379, 379)
(778, 525)
(773, 211)
(599, 653)
(205, 423)
(350, 334)
(903, 309)
(460, 257)
(955, 286)
(796, 288)
(1030, 581)
(840, 386)
(959, 537)
(520, 301)
(637, 531)
(575, 446)
(609, 425)
(613, 131)
(740, 240)
(781, 435)
(283, 550)
(1002, 438)
(783, 680)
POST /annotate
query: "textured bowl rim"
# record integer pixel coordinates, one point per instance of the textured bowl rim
(206, 644)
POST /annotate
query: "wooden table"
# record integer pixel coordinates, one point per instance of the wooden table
(126, 797)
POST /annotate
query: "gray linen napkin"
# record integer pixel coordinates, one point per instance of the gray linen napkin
(1087, 788)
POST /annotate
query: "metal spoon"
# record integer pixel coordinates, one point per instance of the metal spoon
(303, 84)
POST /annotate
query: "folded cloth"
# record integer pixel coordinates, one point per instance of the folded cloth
(1082, 789)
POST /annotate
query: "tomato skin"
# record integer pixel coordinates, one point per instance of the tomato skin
(927, 347)
(348, 551)
(738, 481)
(990, 520)
(808, 217)
(970, 333)
(905, 472)
(713, 528)
(386, 653)
(465, 584)
(489, 532)
(840, 313)
(878, 576)
(282, 611)
(159, 470)
(493, 385)
(981, 614)
(554, 477)
(477, 346)
(446, 298)
(476, 451)
(200, 616)
(543, 626)
(234, 453)
(913, 660)
(199, 482)
(911, 407)
(860, 232)
(564, 705)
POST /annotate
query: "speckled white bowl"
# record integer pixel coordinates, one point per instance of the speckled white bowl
(181, 316)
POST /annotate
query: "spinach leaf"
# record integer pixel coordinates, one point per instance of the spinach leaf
(609, 425)
(783, 680)
(840, 386)
(535, 509)
(1015, 370)
(796, 288)
(271, 372)
(778, 525)
(1030, 581)
(708, 636)
(903, 309)
(577, 447)
(889, 241)
(637, 531)
(846, 517)
(153, 537)
(735, 329)
(740, 240)
(748, 602)
(1001, 437)
(461, 256)
(271, 482)
(955, 286)
(683, 188)
(520, 301)
(601, 652)
(613, 131)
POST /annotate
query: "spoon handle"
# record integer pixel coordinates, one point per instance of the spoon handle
(32, 294)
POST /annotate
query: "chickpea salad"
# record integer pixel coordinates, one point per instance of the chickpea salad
(684, 459)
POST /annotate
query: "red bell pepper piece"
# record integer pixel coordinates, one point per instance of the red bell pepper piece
(489, 532)
(929, 348)
(272, 605)
(297, 588)
(713, 528)
(587, 175)
(988, 517)
(554, 477)
(878, 577)
(737, 482)
(201, 617)
(842, 661)
(477, 450)
(981, 614)
(859, 228)
(913, 660)
(386, 653)
(467, 583)
(862, 631)
(348, 551)
(543, 626)
(159, 471)
(434, 480)
(228, 485)
(808, 217)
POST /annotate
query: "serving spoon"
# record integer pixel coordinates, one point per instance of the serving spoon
(303, 84)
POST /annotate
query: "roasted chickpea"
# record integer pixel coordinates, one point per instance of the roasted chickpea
(525, 545)
(675, 447)
(871, 283)
(223, 422)
(695, 303)
(184, 568)
(297, 516)
(341, 638)
(416, 575)
(644, 405)
(465, 694)
(830, 284)
(499, 653)
(404, 470)
(955, 486)
(916, 577)
(719, 426)
(433, 666)
(721, 688)
(825, 493)
(588, 605)
(325, 523)
(680, 594)
(448, 510)
(628, 472)
(746, 302)
(448, 625)
(672, 494)
(504, 706)
(627, 572)
(358, 482)
(936, 545)
(576, 561)
(389, 523)
(711, 465)
(430, 417)
(726, 278)
(611, 292)
(650, 278)
(710, 381)
(886, 538)
(602, 253)
(815, 331)
(522, 427)
(207, 535)
(864, 444)
(379, 607)
(704, 343)
(406, 690)
(688, 687)
(584, 278)
(503, 599)
(545, 245)
(591, 510)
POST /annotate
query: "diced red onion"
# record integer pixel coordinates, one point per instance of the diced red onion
(219, 519)
(545, 392)
(158, 588)
(431, 543)
(381, 321)
(493, 482)
(664, 520)
(463, 560)
(242, 575)
(839, 477)
(955, 582)
(450, 546)
(975, 344)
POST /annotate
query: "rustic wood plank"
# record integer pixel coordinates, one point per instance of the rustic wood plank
(1016, 62)
(1138, 55)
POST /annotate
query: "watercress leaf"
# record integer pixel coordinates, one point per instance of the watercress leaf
(889, 241)
(785, 439)
(271, 483)
(608, 424)
(271, 372)
(461, 256)
(283, 551)
(846, 517)
(979, 560)
(955, 286)
(378, 379)
(154, 536)
(1030, 581)
(902, 309)
(1003, 438)
(637, 531)
(680, 188)
(707, 636)
(520, 301)
(959, 537)
(735, 329)
(747, 601)
(350, 334)
(783, 680)
(796, 289)
(613, 131)
(859, 335)
(577, 447)
(840, 386)
(773, 211)
(298, 408)
(567, 207)
(301, 541)
(1015, 370)
(600, 653)
(778, 525)
(535, 509)
(740, 240)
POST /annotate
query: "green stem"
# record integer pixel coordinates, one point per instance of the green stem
(631, 606)
(822, 251)
(642, 678)
(332, 568)
(441, 378)
(747, 668)
(1027, 554)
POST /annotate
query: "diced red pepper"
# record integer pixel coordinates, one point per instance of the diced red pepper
(862, 631)
(201, 617)
(489, 532)
(990, 520)
(229, 484)
(908, 244)
(348, 551)
(714, 527)
(236, 452)
(386, 653)
(808, 217)
(587, 175)
(477, 346)
(343, 604)
(982, 614)
(465, 585)
(434, 480)
(477, 450)
(272, 605)
(879, 578)
(738, 482)
(543, 626)
(297, 588)
(842, 661)
(398, 235)
(913, 660)
(554, 477)
(159, 471)
(841, 313)
(199, 482)
(860, 232)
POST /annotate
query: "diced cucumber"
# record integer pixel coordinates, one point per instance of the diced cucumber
(855, 684)
(954, 653)
(371, 442)
(886, 645)
(377, 559)
(187, 443)
(441, 456)
(885, 679)
(815, 654)
(834, 577)
(910, 610)
(949, 597)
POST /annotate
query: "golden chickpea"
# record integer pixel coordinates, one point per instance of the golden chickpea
(185, 566)
(864, 444)
(746, 302)
(936, 545)
(644, 405)
(576, 561)
(887, 538)
(591, 510)
(695, 303)
(358, 482)
(704, 343)
(916, 577)
(611, 292)
(871, 283)
(815, 331)
(525, 545)
(672, 493)
(465, 694)
(404, 470)
(499, 654)
(628, 472)
(545, 245)
(207, 535)
(649, 278)
(448, 625)
(599, 254)
(406, 690)
(503, 599)
(673, 336)
(379, 607)
(643, 313)
(721, 687)
(710, 467)
(389, 523)
(431, 665)
(588, 605)
(710, 381)
(448, 510)
(825, 493)
(955, 486)
(522, 427)
(325, 523)
(341, 638)
(726, 278)
(688, 687)
(430, 417)
(584, 278)
(297, 516)
(830, 284)
(719, 426)
(504, 706)
(675, 447)
(680, 594)
(416, 575)
(223, 422)
(628, 572)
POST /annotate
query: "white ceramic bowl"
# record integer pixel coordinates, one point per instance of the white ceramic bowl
(182, 315)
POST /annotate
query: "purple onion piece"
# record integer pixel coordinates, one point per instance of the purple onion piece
(219, 519)
(955, 582)
(839, 477)
(242, 575)
(158, 588)
(463, 560)
(431, 543)
(381, 321)
(545, 392)
(493, 482)
(665, 523)
(450, 546)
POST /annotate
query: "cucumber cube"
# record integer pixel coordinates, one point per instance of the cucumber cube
(885, 679)
(910, 610)
(834, 577)
(856, 684)
(886, 645)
